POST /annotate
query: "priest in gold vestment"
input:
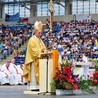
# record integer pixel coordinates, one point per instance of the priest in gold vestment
(34, 48)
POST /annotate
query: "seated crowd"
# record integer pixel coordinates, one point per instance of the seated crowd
(72, 40)
(11, 39)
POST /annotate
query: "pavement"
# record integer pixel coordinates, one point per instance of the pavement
(18, 92)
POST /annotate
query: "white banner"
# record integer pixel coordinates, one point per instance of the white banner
(83, 17)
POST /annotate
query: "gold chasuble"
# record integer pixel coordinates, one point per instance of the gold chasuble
(33, 51)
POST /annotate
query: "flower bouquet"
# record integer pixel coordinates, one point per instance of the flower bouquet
(64, 78)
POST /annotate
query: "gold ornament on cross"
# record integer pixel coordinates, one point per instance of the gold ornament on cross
(51, 10)
(51, 6)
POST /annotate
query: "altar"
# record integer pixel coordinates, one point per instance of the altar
(82, 69)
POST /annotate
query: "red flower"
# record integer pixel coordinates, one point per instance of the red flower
(60, 83)
(95, 82)
(56, 78)
(75, 86)
(64, 79)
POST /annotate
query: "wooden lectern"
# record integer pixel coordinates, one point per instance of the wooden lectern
(46, 74)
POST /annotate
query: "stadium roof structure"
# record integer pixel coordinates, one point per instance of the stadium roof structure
(23, 3)
(34, 1)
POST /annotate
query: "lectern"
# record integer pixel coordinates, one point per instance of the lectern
(46, 74)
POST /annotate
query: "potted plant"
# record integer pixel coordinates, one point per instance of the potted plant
(64, 80)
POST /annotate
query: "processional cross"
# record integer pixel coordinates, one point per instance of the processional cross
(51, 10)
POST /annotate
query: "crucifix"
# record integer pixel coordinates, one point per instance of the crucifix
(51, 10)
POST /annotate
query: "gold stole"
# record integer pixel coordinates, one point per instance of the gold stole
(36, 70)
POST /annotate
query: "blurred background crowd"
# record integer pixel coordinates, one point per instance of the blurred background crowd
(72, 39)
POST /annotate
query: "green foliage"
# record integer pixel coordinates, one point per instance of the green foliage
(64, 63)
(85, 85)
(96, 64)
(53, 84)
